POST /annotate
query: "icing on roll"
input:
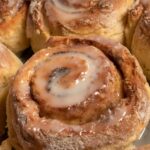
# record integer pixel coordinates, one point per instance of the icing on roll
(77, 92)
(67, 81)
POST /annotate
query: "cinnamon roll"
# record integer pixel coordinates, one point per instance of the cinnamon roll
(79, 93)
(87, 17)
(9, 64)
(138, 34)
(13, 15)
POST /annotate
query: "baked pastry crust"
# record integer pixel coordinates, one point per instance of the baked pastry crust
(13, 15)
(91, 17)
(144, 147)
(45, 88)
(6, 145)
(138, 34)
(9, 65)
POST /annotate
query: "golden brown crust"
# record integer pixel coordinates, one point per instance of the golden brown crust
(33, 95)
(133, 18)
(13, 25)
(138, 34)
(5, 145)
(9, 64)
(90, 17)
(144, 147)
(9, 8)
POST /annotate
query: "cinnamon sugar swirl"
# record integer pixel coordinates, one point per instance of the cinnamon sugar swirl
(79, 93)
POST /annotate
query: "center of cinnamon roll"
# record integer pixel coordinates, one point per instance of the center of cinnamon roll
(68, 83)
(70, 75)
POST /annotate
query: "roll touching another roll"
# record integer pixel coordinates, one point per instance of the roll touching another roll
(13, 15)
(138, 34)
(9, 64)
(79, 93)
(87, 17)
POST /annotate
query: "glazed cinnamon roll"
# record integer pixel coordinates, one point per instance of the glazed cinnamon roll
(87, 17)
(13, 24)
(9, 64)
(79, 93)
(138, 34)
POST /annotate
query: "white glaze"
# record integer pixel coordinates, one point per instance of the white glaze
(62, 97)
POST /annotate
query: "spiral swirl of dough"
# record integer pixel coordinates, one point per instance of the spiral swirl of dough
(79, 93)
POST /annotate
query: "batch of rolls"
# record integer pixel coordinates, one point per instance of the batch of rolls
(85, 86)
